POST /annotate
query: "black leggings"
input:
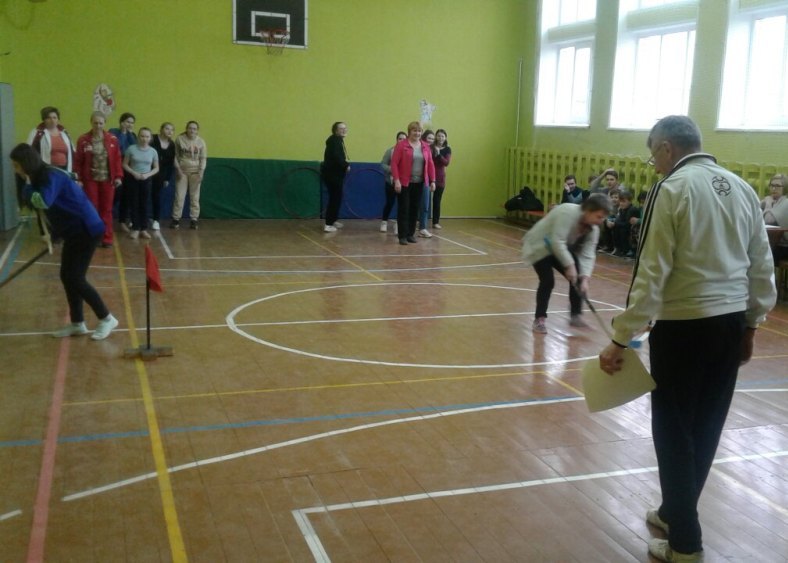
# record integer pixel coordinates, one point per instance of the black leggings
(77, 253)
(391, 197)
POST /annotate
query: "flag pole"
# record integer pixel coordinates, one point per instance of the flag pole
(147, 307)
(145, 351)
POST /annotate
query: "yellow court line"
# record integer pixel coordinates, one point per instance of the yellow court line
(766, 328)
(332, 386)
(341, 257)
(177, 547)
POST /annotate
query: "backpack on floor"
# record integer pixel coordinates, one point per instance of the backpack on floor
(526, 200)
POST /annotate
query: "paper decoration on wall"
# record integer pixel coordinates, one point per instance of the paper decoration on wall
(103, 99)
(426, 109)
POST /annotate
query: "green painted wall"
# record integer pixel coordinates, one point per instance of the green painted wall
(761, 147)
(368, 63)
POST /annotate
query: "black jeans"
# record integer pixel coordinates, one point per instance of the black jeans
(437, 196)
(408, 203)
(391, 197)
(544, 269)
(157, 185)
(334, 185)
(77, 253)
(695, 364)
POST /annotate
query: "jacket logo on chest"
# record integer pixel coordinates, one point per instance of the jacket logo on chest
(720, 185)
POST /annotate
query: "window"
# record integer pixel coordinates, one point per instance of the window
(755, 76)
(654, 57)
(564, 86)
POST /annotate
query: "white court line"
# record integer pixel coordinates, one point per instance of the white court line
(311, 438)
(235, 327)
(11, 244)
(459, 244)
(317, 321)
(319, 553)
(167, 250)
(390, 319)
(11, 514)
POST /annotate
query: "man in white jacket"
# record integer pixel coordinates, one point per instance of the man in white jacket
(565, 240)
(705, 277)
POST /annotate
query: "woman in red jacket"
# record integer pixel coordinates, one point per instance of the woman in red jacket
(412, 168)
(99, 170)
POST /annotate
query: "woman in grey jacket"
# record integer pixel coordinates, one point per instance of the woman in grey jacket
(565, 239)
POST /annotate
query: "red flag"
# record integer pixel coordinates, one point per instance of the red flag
(152, 270)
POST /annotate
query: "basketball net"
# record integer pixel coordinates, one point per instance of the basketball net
(274, 40)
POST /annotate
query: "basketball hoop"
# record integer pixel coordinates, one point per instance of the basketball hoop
(275, 40)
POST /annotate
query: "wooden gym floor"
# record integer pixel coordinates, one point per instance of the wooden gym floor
(341, 397)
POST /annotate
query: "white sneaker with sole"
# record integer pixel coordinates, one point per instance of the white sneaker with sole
(134, 235)
(662, 551)
(652, 517)
(539, 325)
(104, 327)
(338, 225)
(384, 226)
(329, 229)
(155, 226)
(437, 226)
(424, 233)
(74, 329)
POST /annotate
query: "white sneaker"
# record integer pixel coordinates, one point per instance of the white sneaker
(384, 226)
(74, 329)
(144, 234)
(652, 517)
(134, 235)
(124, 227)
(338, 225)
(437, 226)
(329, 229)
(660, 549)
(104, 327)
(424, 233)
(155, 226)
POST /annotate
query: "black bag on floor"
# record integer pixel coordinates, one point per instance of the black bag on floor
(526, 200)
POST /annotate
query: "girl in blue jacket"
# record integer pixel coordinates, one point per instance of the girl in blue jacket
(72, 218)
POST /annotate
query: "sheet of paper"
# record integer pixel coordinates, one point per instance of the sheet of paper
(603, 391)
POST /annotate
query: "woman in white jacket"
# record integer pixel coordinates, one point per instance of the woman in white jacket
(565, 239)
(51, 141)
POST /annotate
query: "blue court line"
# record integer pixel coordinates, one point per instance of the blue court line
(274, 422)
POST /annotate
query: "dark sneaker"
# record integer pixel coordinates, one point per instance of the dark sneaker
(175, 224)
(411, 240)
(193, 224)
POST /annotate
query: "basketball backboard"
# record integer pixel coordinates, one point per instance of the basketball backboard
(250, 17)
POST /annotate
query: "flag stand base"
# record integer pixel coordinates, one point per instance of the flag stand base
(148, 353)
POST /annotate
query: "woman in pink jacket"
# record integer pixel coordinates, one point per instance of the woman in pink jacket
(411, 168)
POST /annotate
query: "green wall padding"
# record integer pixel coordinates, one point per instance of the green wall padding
(237, 188)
